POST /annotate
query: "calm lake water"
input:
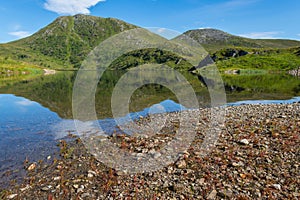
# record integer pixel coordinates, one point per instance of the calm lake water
(35, 114)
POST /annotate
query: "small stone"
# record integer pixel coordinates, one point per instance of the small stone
(57, 178)
(79, 190)
(244, 142)
(92, 172)
(45, 189)
(201, 181)
(181, 164)
(85, 195)
(49, 157)
(243, 176)
(240, 163)
(25, 188)
(31, 167)
(139, 154)
(122, 172)
(212, 195)
(277, 186)
(225, 194)
(59, 167)
(166, 184)
(156, 155)
(296, 194)
(75, 186)
(90, 175)
(11, 196)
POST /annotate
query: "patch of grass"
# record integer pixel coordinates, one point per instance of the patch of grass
(253, 71)
(12, 71)
(264, 83)
(140, 57)
(280, 60)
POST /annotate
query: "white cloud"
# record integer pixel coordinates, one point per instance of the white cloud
(71, 7)
(261, 35)
(20, 34)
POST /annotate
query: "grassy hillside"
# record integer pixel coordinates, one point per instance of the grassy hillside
(254, 59)
(214, 40)
(144, 56)
(65, 42)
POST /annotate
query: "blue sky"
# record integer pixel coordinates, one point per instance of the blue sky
(250, 18)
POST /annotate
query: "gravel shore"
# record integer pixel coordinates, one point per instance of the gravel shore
(257, 156)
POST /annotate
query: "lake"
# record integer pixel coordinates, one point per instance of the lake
(36, 113)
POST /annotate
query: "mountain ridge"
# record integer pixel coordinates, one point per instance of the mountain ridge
(214, 39)
(64, 43)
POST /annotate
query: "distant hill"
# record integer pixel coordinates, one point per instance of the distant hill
(213, 40)
(66, 41)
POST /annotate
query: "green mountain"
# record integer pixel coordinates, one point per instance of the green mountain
(65, 42)
(213, 40)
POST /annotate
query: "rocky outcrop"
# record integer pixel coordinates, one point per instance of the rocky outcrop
(49, 72)
(228, 53)
(295, 72)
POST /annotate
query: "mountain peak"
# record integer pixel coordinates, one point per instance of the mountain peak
(214, 39)
(208, 35)
(71, 38)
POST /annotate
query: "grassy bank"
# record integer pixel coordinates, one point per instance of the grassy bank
(13, 71)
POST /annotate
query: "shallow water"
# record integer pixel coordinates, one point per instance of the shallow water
(31, 131)
(34, 115)
(254, 102)
(24, 132)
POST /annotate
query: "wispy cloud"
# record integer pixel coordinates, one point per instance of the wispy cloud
(71, 7)
(298, 35)
(228, 6)
(237, 3)
(217, 10)
(20, 34)
(261, 35)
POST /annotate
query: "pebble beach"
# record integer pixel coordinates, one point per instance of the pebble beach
(256, 156)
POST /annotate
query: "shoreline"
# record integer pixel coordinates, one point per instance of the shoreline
(256, 157)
